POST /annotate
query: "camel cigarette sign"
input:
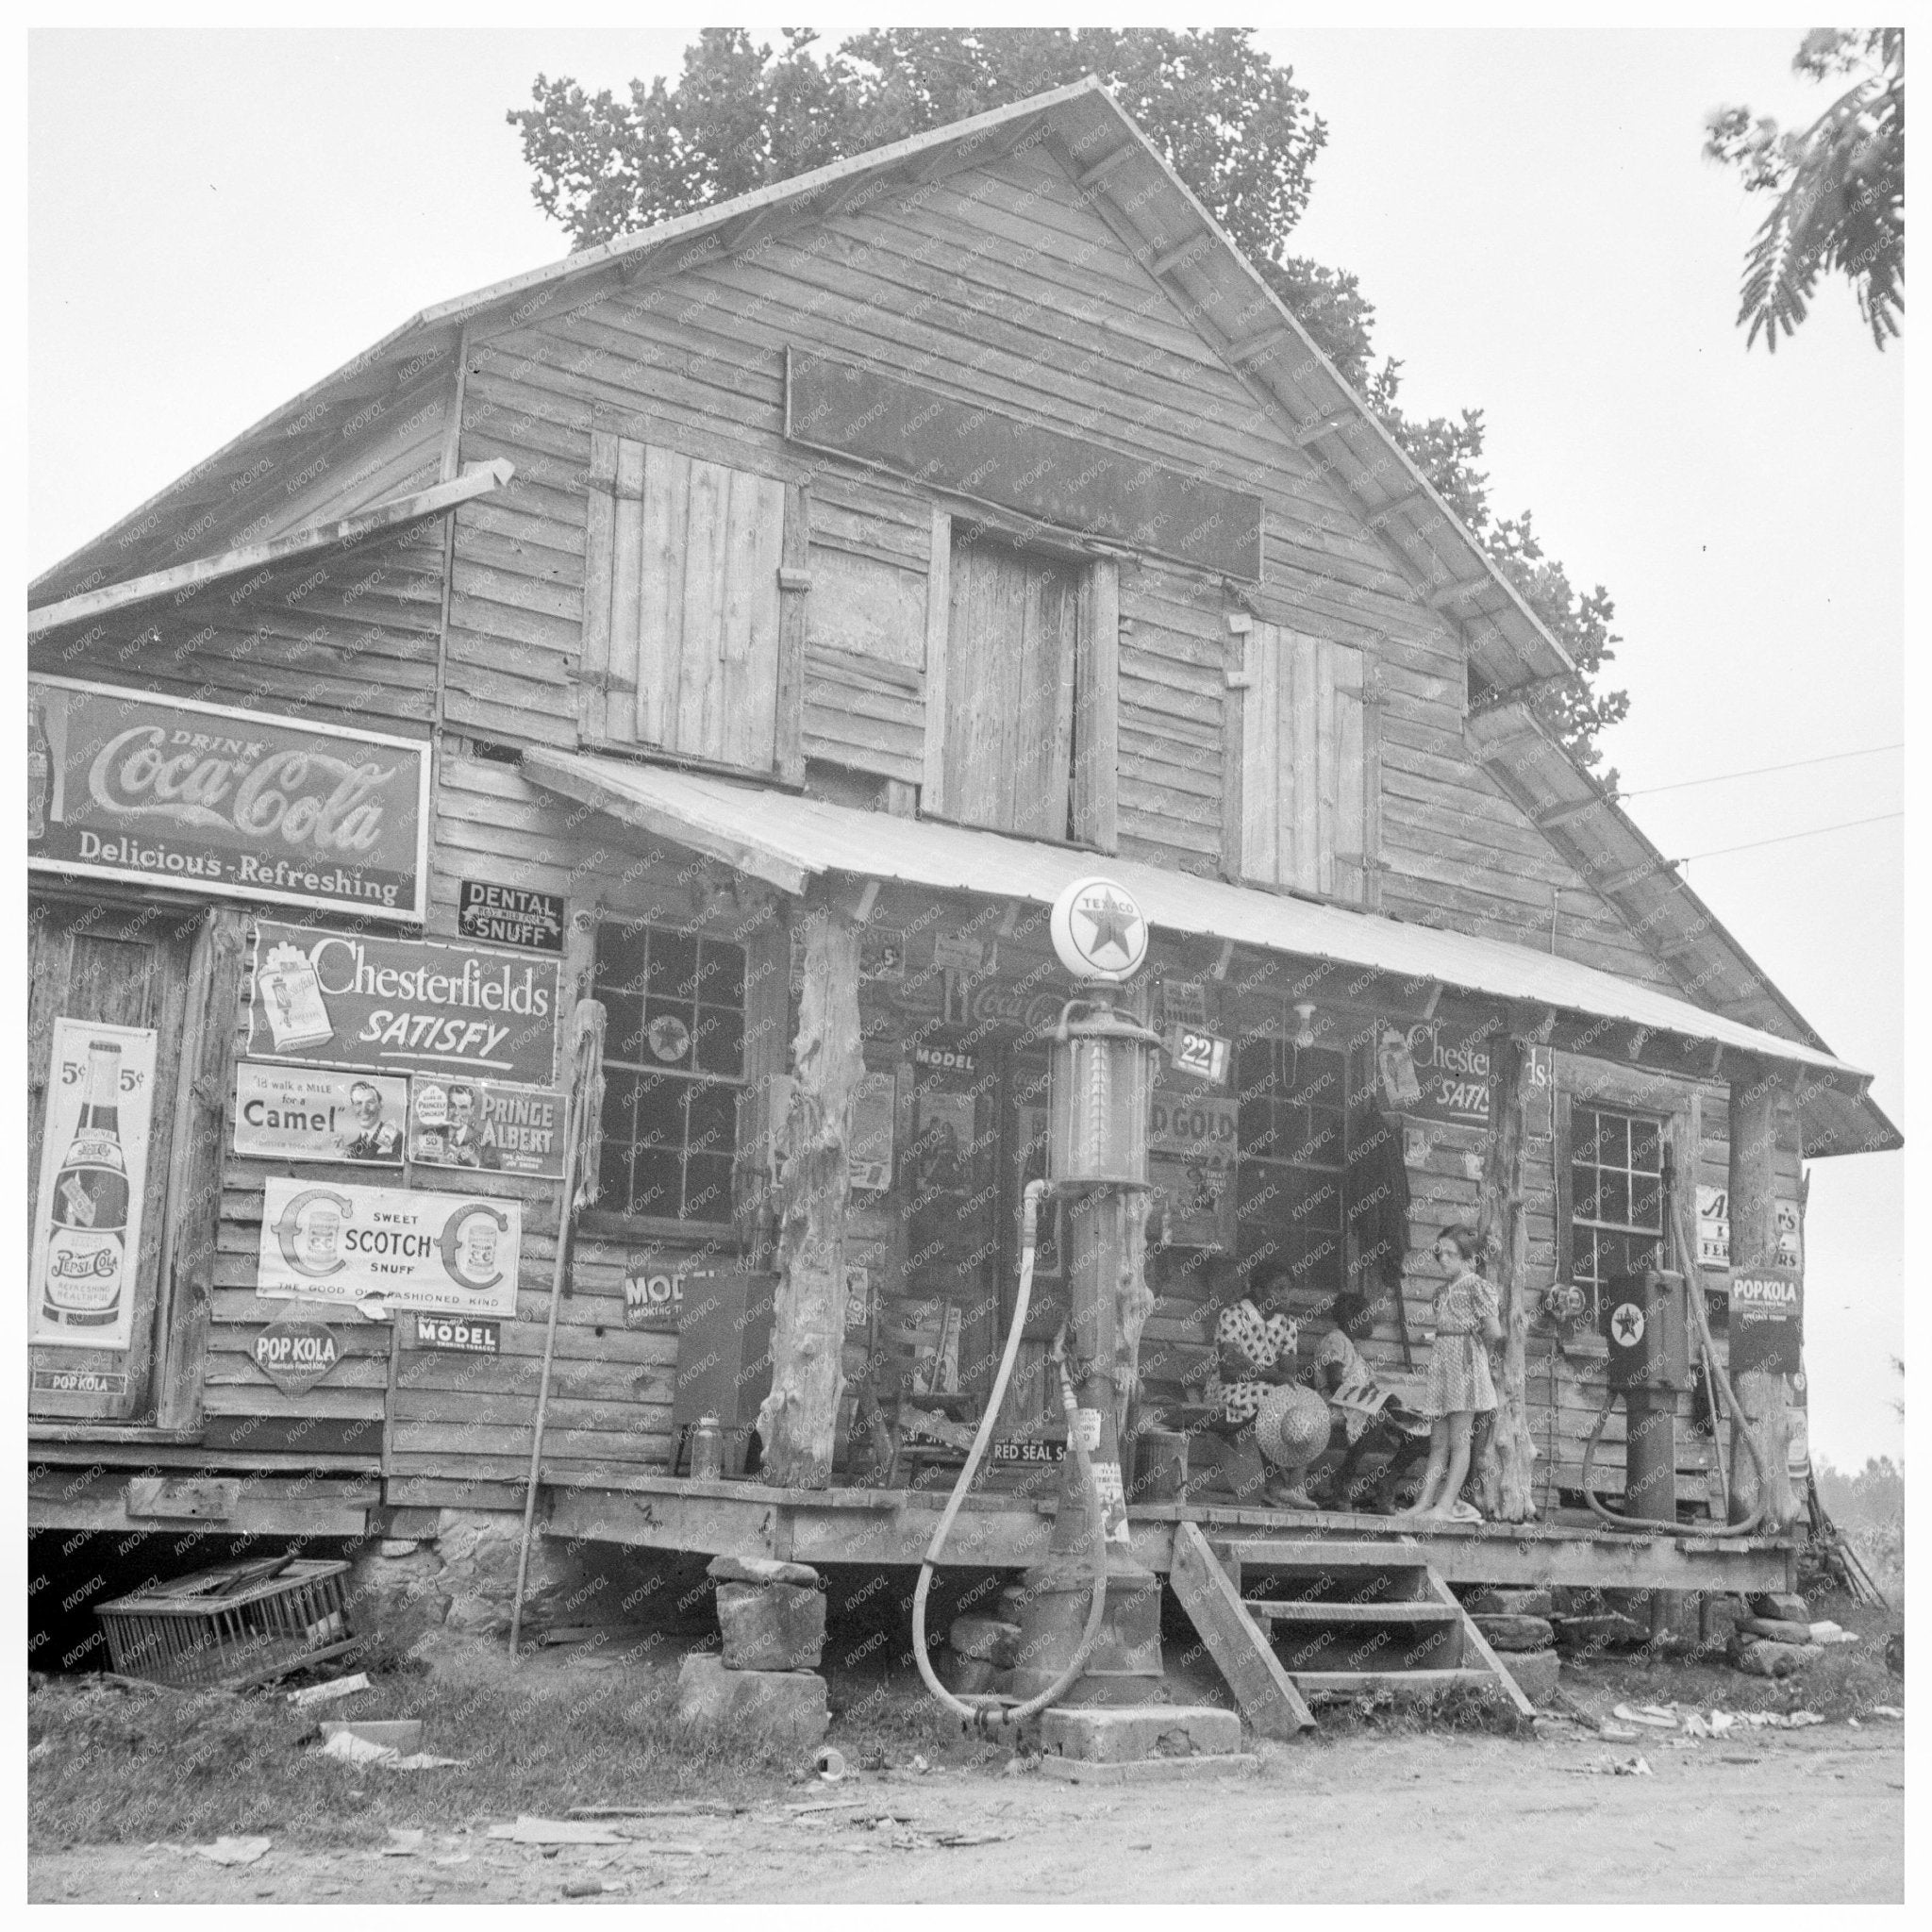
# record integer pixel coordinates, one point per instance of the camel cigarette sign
(126, 784)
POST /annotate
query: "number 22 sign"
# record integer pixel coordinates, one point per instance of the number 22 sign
(1202, 1053)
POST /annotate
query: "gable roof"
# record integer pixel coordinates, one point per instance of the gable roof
(367, 424)
(1126, 181)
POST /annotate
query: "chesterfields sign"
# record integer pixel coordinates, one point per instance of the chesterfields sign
(126, 784)
(365, 999)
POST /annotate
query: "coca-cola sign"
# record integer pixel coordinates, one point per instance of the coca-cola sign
(128, 784)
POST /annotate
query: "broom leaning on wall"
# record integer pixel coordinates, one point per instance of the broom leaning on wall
(581, 1160)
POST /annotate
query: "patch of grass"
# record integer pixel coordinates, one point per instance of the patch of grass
(130, 1766)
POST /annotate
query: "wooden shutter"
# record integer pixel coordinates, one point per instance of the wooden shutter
(1303, 793)
(681, 604)
(1013, 649)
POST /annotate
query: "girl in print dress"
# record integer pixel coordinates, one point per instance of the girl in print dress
(1459, 1386)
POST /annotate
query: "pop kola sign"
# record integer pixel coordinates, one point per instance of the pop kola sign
(1767, 1320)
(458, 1253)
(85, 1252)
(128, 784)
(371, 1000)
(296, 1355)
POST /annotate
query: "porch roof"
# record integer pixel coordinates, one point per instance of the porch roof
(788, 841)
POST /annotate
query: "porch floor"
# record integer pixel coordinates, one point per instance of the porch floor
(1009, 1530)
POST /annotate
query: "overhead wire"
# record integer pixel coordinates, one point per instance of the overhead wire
(1759, 771)
(1786, 837)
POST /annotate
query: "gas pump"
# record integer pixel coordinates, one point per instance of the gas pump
(1645, 1323)
(1090, 1625)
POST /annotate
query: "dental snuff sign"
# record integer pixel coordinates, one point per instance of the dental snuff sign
(407, 1249)
(510, 916)
(126, 784)
(429, 1006)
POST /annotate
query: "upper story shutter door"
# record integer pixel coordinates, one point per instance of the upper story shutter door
(681, 605)
(1303, 768)
(1012, 646)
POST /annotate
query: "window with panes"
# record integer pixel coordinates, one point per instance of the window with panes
(1616, 1194)
(674, 1066)
(1293, 1165)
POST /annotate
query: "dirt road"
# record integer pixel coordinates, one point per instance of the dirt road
(1814, 1815)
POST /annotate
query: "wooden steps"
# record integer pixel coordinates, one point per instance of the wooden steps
(1331, 1609)
(1265, 1610)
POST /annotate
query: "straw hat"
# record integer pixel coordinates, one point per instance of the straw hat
(1291, 1426)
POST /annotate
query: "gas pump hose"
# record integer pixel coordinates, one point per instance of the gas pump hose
(989, 1717)
(1696, 1292)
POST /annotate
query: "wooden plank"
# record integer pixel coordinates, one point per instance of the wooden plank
(1236, 696)
(600, 586)
(1099, 739)
(1349, 836)
(695, 636)
(1339, 1613)
(1300, 733)
(1261, 764)
(1268, 1698)
(1477, 1645)
(794, 623)
(1327, 775)
(92, 604)
(642, 588)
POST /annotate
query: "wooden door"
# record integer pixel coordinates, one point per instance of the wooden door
(89, 963)
(681, 605)
(1012, 647)
(1304, 785)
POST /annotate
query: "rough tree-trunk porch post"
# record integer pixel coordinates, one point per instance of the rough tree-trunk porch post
(1505, 1470)
(798, 1421)
(1762, 1393)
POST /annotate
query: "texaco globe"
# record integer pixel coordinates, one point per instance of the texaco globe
(1098, 930)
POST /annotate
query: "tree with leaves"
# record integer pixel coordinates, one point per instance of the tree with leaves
(1234, 126)
(1840, 187)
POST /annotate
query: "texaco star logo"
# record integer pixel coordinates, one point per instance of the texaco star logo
(1098, 931)
(1108, 930)
(1626, 1323)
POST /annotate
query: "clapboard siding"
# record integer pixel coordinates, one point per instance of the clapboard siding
(350, 632)
(864, 713)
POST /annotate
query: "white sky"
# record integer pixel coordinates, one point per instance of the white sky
(216, 220)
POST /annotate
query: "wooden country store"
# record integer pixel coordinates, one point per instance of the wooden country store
(754, 624)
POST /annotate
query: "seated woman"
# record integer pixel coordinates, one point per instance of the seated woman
(1374, 1419)
(1254, 1376)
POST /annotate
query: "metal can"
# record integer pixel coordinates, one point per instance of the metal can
(707, 1450)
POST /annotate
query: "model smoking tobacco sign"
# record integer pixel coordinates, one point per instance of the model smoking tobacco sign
(370, 1000)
